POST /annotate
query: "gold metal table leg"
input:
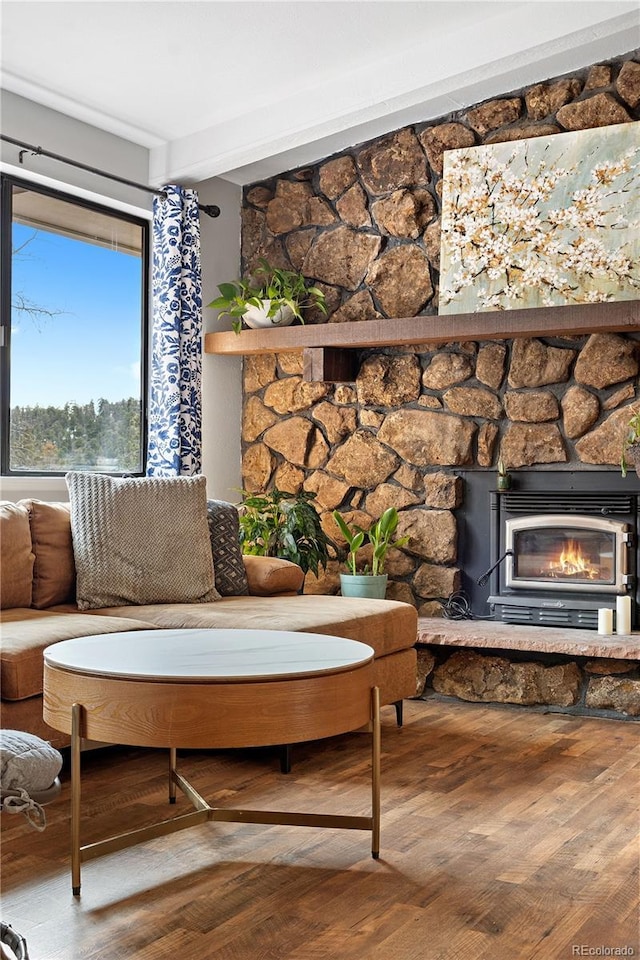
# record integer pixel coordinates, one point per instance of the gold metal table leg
(375, 774)
(173, 755)
(76, 719)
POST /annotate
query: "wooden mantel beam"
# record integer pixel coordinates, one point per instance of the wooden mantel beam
(575, 320)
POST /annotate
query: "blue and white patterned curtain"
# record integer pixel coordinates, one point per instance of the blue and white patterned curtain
(175, 401)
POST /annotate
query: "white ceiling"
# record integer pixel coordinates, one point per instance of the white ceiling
(244, 90)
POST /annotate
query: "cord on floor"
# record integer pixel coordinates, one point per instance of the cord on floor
(457, 607)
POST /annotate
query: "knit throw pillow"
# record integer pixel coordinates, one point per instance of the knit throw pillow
(224, 530)
(140, 540)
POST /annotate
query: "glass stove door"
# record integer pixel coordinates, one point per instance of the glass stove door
(566, 553)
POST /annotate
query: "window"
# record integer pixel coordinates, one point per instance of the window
(74, 322)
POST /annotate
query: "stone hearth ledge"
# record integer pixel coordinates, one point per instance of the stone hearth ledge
(507, 636)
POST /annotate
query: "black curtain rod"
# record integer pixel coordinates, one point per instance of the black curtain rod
(210, 209)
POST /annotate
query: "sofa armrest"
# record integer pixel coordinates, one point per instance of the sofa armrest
(271, 576)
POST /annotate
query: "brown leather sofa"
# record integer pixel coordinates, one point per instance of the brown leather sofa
(37, 596)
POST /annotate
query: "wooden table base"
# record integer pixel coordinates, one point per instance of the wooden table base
(203, 812)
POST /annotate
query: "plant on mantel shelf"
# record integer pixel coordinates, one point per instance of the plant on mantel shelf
(372, 582)
(274, 297)
(285, 525)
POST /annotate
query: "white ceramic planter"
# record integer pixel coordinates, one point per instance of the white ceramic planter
(256, 317)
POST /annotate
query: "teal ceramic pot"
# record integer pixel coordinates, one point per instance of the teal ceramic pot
(363, 585)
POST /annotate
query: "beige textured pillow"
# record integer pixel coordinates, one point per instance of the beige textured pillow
(16, 570)
(140, 540)
(54, 573)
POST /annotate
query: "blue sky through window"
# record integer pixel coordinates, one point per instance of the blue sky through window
(91, 348)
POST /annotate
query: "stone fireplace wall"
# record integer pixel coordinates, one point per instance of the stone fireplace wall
(365, 225)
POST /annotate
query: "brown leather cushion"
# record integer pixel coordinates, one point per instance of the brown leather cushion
(54, 571)
(386, 625)
(26, 633)
(268, 576)
(16, 571)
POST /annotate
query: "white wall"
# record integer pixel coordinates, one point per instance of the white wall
(222, 396)
(32, 123)
(221, 376)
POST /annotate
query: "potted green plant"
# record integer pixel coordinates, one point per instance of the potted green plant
(630, 455)
(370, 582)
(287, 525)
(273, 297)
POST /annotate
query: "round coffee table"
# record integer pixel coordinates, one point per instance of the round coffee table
(209, 689)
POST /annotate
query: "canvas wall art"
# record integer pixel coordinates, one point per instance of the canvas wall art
(543, 222)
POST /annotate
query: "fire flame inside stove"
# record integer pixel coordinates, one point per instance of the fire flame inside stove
(571, 562)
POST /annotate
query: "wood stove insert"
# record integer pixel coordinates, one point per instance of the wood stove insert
(561, 555)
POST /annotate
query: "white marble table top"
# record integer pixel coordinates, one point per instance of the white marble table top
(199, 655)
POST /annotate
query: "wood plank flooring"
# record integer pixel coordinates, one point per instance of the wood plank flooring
(506, 835)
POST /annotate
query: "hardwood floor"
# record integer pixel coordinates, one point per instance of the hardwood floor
(506, 835)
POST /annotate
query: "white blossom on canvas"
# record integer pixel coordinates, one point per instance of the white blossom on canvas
(542, 222)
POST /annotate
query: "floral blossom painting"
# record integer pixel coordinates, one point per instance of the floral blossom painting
(543, 222)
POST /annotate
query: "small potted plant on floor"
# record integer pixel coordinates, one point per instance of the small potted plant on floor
(371, 583)
(286, 525)
(274, 297)
(630, 456)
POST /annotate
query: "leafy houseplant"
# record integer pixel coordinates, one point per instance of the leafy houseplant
(286, 525)
(631, 446)
(274, 298)
(369, 583)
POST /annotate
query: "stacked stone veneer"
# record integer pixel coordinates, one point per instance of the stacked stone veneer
(396, 436)
(365, 226)
(599, 686)
(578, 685)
